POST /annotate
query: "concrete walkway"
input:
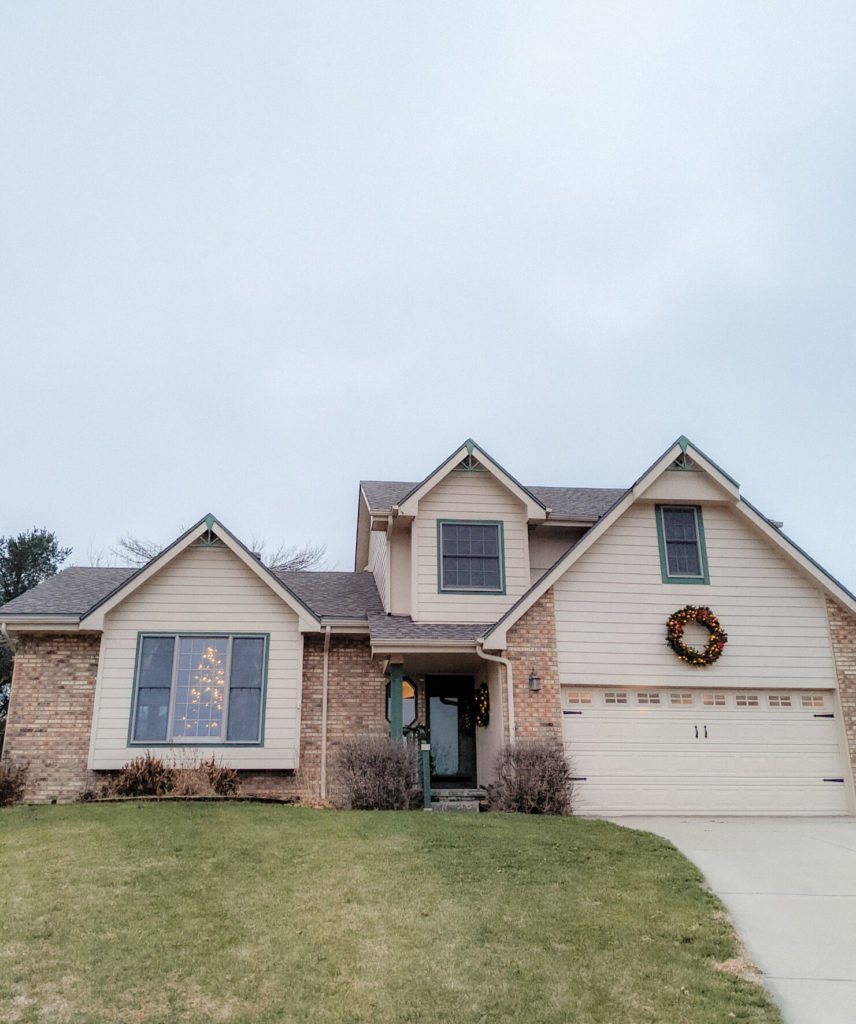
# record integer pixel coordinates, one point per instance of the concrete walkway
(790, 887)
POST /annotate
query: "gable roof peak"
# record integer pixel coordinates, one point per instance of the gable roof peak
(536, 509)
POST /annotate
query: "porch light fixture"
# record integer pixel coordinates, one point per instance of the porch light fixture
(534, 681)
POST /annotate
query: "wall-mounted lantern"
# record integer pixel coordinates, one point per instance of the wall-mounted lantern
(534, 681)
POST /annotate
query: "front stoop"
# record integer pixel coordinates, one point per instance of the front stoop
(457, 799)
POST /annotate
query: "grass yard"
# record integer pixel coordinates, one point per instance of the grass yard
(252, 913)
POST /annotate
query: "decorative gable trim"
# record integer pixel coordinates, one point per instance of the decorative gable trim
(465, 458)
(202, 533)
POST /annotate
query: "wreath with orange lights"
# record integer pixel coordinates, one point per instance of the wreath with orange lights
(704, 617)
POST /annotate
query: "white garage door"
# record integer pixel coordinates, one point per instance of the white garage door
(670, 751)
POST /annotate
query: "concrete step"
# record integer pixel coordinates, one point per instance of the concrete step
(457, 799)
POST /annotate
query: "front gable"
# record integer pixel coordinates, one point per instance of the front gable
(471, 458)
(208, 534)
(205, 591)
(682, 476)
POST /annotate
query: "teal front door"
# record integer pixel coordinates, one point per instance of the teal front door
(452, 729)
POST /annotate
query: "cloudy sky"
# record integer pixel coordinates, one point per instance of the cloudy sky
(251, 252)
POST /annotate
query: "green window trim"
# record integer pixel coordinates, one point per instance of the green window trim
(442, 588)
(223, 744)
(672, 577)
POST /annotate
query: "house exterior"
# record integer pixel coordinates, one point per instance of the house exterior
(485, 610)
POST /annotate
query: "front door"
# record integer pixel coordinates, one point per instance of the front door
(452, 728)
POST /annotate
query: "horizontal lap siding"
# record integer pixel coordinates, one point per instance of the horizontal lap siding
(470, 496)
(203, 589)
(612, 607)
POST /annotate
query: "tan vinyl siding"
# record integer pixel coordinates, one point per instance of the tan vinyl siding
(685, 485)
(399, 572)
(612, 607)
(379, 565)
(468, 496)
(202, 589)
(547, 545)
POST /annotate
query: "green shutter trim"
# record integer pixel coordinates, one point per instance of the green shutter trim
(661, 542)
(470, 522)
(396, 677)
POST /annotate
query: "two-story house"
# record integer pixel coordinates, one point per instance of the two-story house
(488, 611)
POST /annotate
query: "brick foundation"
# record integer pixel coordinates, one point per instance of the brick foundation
(842, 631)
(532, 644)
(50, 713)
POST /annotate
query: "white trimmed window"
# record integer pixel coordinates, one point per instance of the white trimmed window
(681, 698)
(779, 700)
(746, 700)
(198, 689)
(615, 697)
(713, 700)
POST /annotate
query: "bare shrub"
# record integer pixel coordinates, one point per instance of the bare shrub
(377, 773)
(13, 778)
(532, 777)
(197, 777)
(144, 776)
(183, 776)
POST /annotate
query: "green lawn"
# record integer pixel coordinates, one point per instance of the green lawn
(251, 913)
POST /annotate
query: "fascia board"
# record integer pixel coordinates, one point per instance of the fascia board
(409, 506)
(814, 569)
(41, 623)
(392, 647)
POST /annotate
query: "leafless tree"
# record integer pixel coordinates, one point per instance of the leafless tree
(136, 551)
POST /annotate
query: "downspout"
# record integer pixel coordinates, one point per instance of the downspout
(512, 728)
(324, 676)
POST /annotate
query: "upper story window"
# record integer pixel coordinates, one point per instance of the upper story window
(470, 556)
(199, 689)
(680, 533)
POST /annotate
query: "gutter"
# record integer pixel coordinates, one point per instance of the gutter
(324, 677)
(512, 727)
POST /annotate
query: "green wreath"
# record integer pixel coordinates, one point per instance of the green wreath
(704, 617)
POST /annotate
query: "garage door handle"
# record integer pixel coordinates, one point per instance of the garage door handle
(705, 732)
(696, 732)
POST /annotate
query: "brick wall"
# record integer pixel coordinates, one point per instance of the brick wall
(532, 644)
(53, 689)
(356, 705)
(50, 713)
(842, 630)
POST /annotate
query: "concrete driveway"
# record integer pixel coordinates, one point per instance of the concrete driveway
(790, 887)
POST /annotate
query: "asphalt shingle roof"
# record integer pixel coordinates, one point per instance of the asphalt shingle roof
(340, 595)
(402, 627)
(346, 595)
(565, 502)
(71, 592)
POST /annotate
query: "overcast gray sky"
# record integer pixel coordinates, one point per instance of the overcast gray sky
(252, 252)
